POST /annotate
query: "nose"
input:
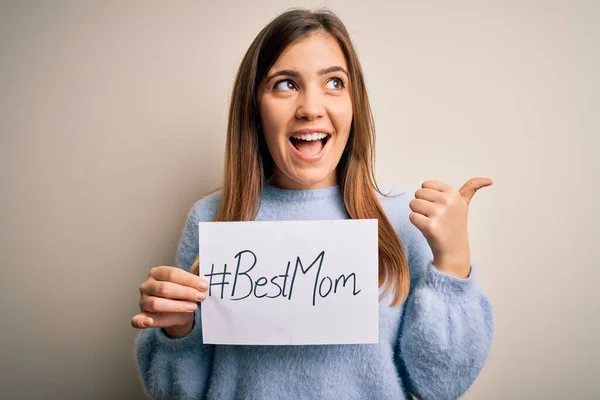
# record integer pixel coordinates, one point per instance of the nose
(310, 105)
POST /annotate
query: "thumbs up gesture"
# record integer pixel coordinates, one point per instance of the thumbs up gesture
(440, 213)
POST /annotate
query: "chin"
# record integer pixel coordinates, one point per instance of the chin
(307, 178)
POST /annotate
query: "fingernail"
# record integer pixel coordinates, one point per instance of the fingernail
(147, 322)
(201, 296)
(203, 285)
(192, 307)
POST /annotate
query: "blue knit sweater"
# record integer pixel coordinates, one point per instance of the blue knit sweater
(433, 346)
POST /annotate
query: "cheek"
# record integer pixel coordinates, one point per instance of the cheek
(268, 121)
(274, 114)
(341, 116)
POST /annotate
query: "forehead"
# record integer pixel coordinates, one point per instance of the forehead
(316, 51)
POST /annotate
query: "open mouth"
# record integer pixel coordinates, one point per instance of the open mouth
(309, 144)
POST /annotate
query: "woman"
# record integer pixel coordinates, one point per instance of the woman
(300, 145)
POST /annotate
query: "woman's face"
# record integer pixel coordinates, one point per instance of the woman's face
(306, 112)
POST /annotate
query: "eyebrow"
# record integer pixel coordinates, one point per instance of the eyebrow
(295, 74)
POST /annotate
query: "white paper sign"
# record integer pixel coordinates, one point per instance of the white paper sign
(290, 283)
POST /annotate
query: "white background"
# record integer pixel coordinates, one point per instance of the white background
(112, 123)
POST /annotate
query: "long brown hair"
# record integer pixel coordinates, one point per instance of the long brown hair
(248, 162)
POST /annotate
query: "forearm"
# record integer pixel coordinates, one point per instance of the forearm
(162, 360)
(445, 336)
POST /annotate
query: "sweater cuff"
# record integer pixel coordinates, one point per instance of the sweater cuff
(451, 288)
(194, 338)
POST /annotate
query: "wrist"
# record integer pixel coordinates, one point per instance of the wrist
(176, 332)
(459, 267)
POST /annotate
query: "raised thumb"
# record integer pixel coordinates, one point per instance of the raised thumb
(467, 191)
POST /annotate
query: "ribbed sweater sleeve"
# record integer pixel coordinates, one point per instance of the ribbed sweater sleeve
(446, 329)
(178, 368)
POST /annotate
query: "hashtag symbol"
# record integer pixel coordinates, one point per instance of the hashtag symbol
(223, 282)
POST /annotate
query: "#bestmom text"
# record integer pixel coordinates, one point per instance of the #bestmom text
(243, 285)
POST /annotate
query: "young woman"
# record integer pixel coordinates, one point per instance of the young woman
(300, 143)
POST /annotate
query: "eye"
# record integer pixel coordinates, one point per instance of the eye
(335, 83)
(284, 85)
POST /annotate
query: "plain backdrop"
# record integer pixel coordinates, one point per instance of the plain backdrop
(112, 123)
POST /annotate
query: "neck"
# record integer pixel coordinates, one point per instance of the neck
(282, 181)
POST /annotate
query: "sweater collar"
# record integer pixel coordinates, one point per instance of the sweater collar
(274, 192)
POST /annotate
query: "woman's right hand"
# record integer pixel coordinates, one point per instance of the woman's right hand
(168, 299)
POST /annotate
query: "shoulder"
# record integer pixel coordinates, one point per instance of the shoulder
(395, 202)
(205, 209)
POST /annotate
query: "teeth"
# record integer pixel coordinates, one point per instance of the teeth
(310, 136)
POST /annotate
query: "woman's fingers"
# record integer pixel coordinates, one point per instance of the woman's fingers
(424, 207)
(170, 290)
(179, 276)
(141, 321)
(155, 304)
(168, 299)
(437, 185)
(161, 320)
(430, 195)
